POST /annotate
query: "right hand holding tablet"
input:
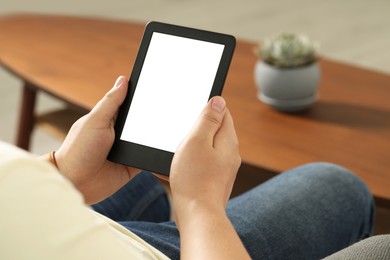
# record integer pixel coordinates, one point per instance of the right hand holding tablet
(202, 175)
(206, 163)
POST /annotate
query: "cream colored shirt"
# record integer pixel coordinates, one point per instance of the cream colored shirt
(42, 216)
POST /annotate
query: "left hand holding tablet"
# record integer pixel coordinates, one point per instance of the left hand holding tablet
(82, 157)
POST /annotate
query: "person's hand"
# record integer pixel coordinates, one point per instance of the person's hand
(202, 175)
(205, 165)
(82, 158)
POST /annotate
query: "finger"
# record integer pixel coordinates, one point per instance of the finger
(210, 119)
(106, 109)
(227, 133)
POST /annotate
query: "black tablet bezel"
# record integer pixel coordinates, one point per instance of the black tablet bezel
(148, 158)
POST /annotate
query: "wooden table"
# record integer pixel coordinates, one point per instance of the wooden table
(77, 60)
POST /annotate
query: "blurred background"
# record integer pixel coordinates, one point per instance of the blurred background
(351, 31)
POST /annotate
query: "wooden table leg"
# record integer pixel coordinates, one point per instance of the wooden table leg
(26, 116)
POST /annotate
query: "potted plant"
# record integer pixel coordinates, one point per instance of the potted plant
(287, 73)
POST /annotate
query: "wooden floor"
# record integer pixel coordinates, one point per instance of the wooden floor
(352, 31)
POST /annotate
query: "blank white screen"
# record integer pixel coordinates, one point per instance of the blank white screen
(173, 88)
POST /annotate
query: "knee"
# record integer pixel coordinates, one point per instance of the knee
(333, 175)
(340, 182)
(328, 179)
(342, 190)
(336, 180)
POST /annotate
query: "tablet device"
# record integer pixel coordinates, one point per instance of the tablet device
(176, 71)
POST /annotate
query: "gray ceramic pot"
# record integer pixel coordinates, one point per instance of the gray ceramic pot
(287, 89)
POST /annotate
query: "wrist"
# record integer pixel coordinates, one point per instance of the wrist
(51, 158)
(61, 166)
(55, 159)
(192, 210)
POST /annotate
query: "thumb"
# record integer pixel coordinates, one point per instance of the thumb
(106, 109)
(211, 119)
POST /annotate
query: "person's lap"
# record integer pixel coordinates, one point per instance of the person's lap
(142, 206)
(306, 213)
(142, 199)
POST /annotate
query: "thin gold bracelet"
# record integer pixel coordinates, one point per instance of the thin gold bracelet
(53, 159)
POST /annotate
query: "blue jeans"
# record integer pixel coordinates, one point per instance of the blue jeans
(306, 213)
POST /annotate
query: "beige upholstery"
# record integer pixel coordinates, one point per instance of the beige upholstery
(376, 247)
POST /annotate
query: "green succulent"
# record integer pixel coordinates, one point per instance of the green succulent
(288, 50)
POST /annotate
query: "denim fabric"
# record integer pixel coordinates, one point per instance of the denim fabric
(306, 213)
(141, 199)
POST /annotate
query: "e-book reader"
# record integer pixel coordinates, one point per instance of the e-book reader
(176, 71)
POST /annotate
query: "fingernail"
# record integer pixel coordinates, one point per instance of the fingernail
(218, 104)
(119, 81)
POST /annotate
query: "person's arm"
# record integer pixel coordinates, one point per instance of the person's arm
(202, 175)
(209, 234)
(82, 157)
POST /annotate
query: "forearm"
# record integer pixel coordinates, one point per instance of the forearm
(209, 234)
